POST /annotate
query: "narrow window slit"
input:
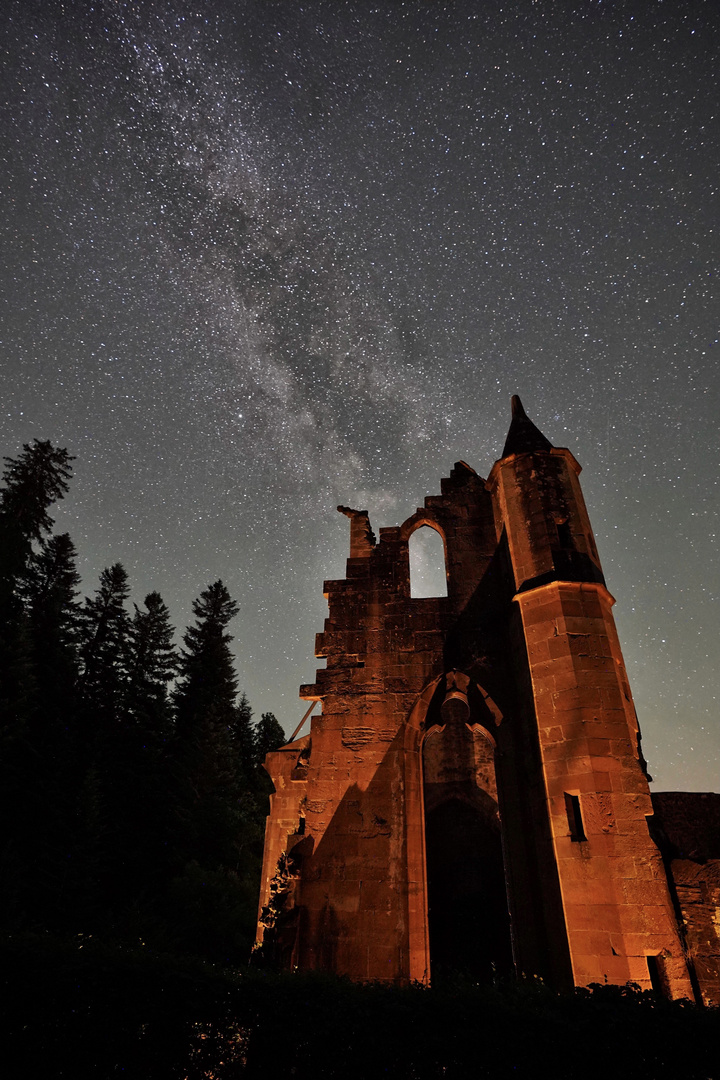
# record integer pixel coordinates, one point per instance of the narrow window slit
(656, 971)
(564, 535)
(574, 817)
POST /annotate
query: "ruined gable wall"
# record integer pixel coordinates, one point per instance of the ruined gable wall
(382, 648)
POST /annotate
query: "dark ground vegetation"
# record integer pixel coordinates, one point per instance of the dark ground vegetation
(83, 1009)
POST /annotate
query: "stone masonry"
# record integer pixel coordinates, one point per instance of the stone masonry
(472, 797)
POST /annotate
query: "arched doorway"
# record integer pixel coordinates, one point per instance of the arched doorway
(468, 920)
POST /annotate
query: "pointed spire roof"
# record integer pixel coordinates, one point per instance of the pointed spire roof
(523, 437)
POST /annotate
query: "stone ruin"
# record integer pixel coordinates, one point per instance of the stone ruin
(473, 798)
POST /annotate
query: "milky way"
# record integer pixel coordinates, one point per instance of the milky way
(262, 258)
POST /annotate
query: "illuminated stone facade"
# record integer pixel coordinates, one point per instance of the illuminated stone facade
(473, 797)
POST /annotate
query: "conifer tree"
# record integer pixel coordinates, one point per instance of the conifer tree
(105, 630)
(32, 482)
(152, 663)
(46, 815)
(28, 805)
(209, 765)
(50, 590)
(102, 688)
(214, 898)
(244, 739)
(269, 736)
(137, 785)
(208, 680)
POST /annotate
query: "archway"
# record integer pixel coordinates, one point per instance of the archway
(467, 910)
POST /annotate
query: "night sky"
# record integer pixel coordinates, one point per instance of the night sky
(262, 258)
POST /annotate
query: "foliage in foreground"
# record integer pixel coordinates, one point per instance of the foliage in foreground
(81, 1009)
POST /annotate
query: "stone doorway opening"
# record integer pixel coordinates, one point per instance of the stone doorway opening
(468, 920)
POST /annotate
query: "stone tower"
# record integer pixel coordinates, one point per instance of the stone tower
(473, 796)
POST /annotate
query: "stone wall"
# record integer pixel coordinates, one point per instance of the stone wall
(474, 779)
(687, 828)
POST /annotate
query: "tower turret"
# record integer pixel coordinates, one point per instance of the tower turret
(577, 704)
(540, 506)
(523, 437)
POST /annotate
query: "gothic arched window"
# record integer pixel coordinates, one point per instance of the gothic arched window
(428, 575)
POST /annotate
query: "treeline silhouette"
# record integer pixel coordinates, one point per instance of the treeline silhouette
(132, 791)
